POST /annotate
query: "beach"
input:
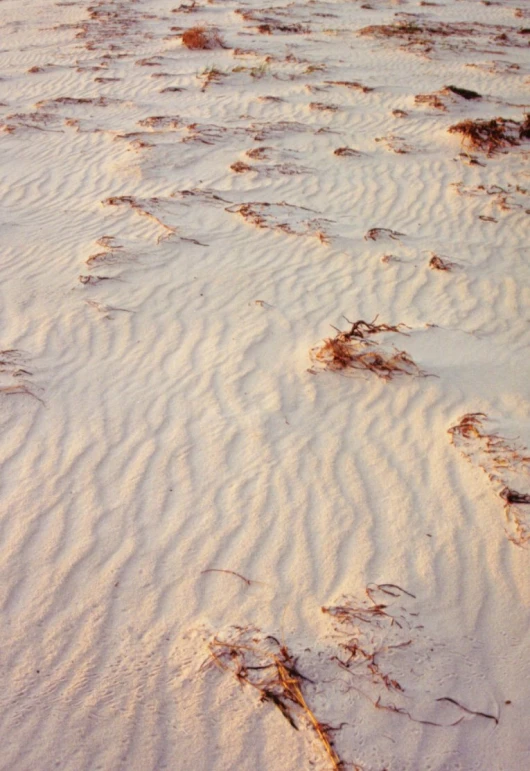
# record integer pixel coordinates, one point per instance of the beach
(264, 385)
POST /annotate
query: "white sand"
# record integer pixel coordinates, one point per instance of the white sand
(164, 422)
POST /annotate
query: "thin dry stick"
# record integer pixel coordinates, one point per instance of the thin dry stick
(231, 572)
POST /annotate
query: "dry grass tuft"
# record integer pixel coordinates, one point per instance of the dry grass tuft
(202, 39)
(507, 467)
(492, 135)
(355, 350)
(268, 666)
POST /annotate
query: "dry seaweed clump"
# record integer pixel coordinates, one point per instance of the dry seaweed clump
(354, 349)
(507, 466)
(492, 135)
(271, 669)
(202, 38)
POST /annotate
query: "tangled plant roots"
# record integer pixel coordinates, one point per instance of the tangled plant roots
(269, 667)
(507, 466)
(354, 350)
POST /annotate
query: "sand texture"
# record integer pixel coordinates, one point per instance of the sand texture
(240, 530)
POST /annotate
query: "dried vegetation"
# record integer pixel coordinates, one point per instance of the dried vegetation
(202, 39)
(492, 135)
(438, 263)
(284, 217)
(269, 667)
(507, 465)
(14, 375)
(144, 207)
(373, 648)
(416, 34)
(355, 349)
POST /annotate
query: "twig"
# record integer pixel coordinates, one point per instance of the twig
(231, 572)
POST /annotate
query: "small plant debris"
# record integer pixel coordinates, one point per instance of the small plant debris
(14, 374)
(492, 135)
(431, 100)
(322, 107)
(374, 632)
(438, 263)
(507, 466)
(284, 217)
(240, 167)
(374, 234)
(269, 667)
(202, 38)
(210, 75)
(355, 350)
(353, 84)
(347, 151)
(143, 207)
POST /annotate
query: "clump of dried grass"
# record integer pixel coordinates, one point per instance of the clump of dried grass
(269, 667)
(492, 135)
(202, 38)
(507, 467)
(355, 350)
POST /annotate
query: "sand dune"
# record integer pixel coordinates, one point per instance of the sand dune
(180, 229)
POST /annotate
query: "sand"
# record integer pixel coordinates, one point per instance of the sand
(178, 234)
